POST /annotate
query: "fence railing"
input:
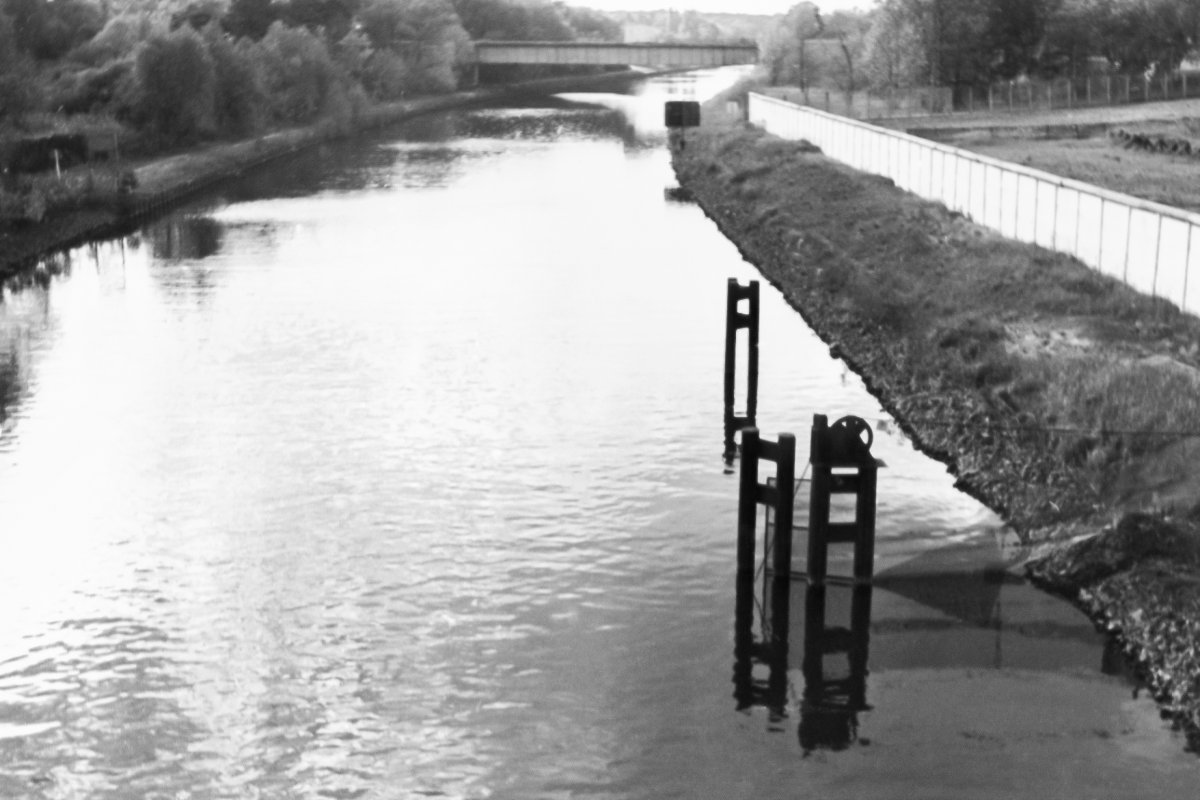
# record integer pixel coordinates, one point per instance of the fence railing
(916, 101)
(1011, 96)
(1090, 90)
(1147, 245)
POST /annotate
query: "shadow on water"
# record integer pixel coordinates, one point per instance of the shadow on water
(924, 615)
(11, 382)
(178, 238)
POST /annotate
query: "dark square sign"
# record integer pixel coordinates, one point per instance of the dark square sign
(683, 114)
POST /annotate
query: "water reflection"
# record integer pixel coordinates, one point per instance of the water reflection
(401, 482)
(185, 237)
(833, 693)
(834, 697)
(11, 379)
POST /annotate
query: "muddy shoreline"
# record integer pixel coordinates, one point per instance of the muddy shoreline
(841, 245)
(170, 179)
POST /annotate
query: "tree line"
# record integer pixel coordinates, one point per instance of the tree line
(971, 43)
(184, 71)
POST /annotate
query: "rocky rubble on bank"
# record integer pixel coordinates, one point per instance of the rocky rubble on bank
(1048, 390)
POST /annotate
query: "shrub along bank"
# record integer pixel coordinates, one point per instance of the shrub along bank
(1057, 396)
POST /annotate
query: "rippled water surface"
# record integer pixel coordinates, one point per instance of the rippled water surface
(396, 472)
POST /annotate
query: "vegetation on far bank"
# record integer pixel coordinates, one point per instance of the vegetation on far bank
(134, 79)
(178, 73)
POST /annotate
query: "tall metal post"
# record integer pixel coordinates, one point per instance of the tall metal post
(841, 447)
(735, 321)
(818, 507)
(743, 641)
(785, 477)
(864, 545)
(748, 501)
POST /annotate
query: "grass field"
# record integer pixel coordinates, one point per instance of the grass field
(1046, 140)
(1173, 180)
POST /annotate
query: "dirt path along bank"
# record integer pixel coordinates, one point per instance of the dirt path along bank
(1060, 398)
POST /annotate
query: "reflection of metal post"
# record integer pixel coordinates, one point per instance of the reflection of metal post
(828, 712)
(743, 642)
(860, 630)
(777, 694)
(814, 630)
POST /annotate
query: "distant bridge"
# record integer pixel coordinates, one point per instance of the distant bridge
(635, 55)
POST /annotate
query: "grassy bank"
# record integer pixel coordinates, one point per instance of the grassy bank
(1056, 395)
(86, 202)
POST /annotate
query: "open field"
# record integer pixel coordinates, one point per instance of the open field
(1077, 144)
(1093, 115)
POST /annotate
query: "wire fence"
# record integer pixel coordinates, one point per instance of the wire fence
(917, 101)
(1090, 90)
(1022, 96)
(1146, 245)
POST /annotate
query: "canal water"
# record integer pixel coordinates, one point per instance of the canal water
(395, 471)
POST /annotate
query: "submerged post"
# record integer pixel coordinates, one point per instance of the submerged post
(735, 320)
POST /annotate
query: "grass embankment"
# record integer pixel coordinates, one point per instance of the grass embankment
(1057, 396)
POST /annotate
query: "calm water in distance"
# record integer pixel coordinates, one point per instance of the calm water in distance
(395, 472)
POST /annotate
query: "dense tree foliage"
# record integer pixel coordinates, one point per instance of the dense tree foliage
(182, 70)
(48, 30)
(176, 86)
(963, 43)
(16, 86)
(499, 19)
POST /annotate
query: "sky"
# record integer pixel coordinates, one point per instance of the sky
(734, 6)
